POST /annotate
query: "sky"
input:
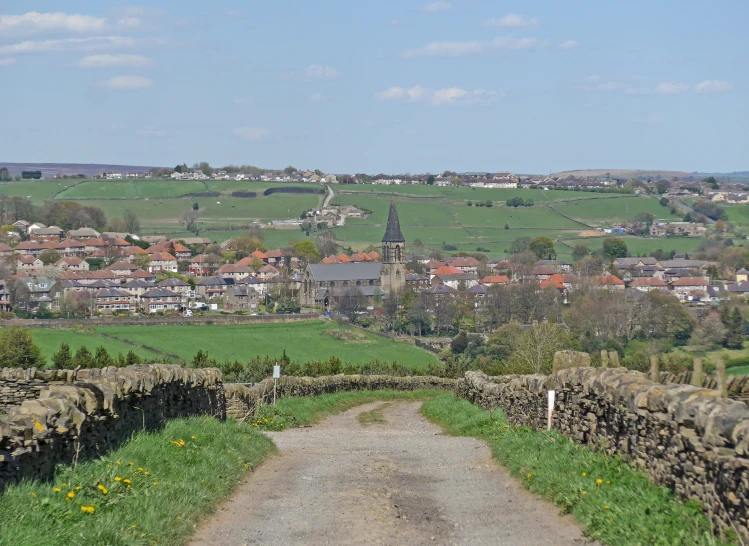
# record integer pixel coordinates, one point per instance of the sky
(378, 86)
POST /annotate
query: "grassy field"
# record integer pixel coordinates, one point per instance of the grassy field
(38, 190)
(606, 212)
(49, 341)
(162, 189)
(100, 189)
(624, 508)
(738, 214)
(303, 342)
(148, 491)
(641, 246)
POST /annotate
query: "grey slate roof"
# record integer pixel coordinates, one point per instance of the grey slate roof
(393, 232)
(171, 281)
(345, 272)
(159, 293)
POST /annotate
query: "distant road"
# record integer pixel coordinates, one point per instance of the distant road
(686, 208)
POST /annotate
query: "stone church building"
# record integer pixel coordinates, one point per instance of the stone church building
(323, 283)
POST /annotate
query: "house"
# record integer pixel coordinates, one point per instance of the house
(5, 250)
(241, 297)
(268, 272)
(689, 229)
(29, 248)
(559, 266)
(129, 253)
(69, 247)
(690, 288)
(491, 280)
(460, 281)
(417, 281)
(609, 282)
(29, 264)
(122, 269)
(83, 233)
(142, 275)
(162, 261)
(112, 300)
(542, 272)
(466, 265)
(742, 275)
(5, 304)
(39, 289)
(202, 265)
(233, 271)
(626, 263)
(137, 287)
(160, 300)
(739, 288)
(478, 293)
(177, 285)
(440, 291)
(646, 284)
(211, 287)
(72, 264)
(445, 270)
(52, 233)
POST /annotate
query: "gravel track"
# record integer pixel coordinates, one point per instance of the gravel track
(401, 481)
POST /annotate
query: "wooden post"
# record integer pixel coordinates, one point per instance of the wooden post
(604, 358)
(655, 373)
(698, 375)
(613, 359)
(720, 373)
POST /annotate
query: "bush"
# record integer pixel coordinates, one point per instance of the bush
(740, 361)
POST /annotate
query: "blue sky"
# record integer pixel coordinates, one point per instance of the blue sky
(379, 86)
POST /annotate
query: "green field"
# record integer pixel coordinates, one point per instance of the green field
(37, 190)
(303, 342)
(100, 189)
(49, 340)
(164, 189)
(738, 214)
(606, 212)
(641, 246)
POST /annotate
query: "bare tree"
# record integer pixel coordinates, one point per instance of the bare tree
(189, 217)
(535, 348)
(352, 302)
(327, 244)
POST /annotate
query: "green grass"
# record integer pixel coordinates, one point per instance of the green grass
(308, 410)
(191, 481)
(160, 189)
(625, 509)
(738, 214)
(49, 339)
(738, 370)
(606, 212)
(640, 246)
(303, 342)
(37, 190)
(99, 189)
(467, 193)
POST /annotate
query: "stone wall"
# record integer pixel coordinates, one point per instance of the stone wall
(98, 410)
(17, 385)
(242, 401)
(737, 385)
(686, 438)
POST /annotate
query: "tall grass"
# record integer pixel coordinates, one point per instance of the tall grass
(177, 476)
(615, 504)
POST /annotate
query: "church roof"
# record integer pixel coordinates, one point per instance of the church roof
(393, 232)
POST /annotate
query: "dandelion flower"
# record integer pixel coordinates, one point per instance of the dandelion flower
(117, 479)
(131, 463)
(88, 509)
(194, 437)
(585, 492)
(77, 487)
(70, 495)
(103, 489)
(529, 476)
(140, 469)
(584, 474)
(146, 473)
(127, 481)
(155, 484)
(56, 490)
(133, 526)
(119, 463)
(608, 482)
(599, 481)
(605, 506)
(33, 494)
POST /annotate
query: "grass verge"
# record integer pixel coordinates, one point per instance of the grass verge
(615, 504)
(294, 412)
(152, 490)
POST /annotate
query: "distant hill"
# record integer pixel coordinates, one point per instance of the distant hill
(626, 173)
(49, 170)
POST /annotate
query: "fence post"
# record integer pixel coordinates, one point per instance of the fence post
(720, 373)
(613, 359)
(655, 374)
(604, 358)
(698, 375)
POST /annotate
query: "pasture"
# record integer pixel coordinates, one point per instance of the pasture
(49, 341)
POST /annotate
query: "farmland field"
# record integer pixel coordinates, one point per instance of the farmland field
(99, 189)
(609, 211)
(164, 189)
(49, 340)
(37, 190)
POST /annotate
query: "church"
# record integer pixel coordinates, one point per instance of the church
(323, 283)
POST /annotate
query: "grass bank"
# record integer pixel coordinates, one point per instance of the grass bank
(152, 490)
(615, 504)
(294, 412)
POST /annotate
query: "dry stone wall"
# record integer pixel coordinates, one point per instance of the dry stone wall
(18, 385)
(687, 438)
(243, 402)
(98, 409)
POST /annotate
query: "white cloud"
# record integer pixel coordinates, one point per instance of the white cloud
(438, 97)
(713, 86)
(47, 22)
(454, 50)
(96, 43)
(568, 44)
(251, 132)
(318, 97)
(314, 72)
(128, 82)
(151, 132)
(435, 7)
(669, 88)
(106, 61)
(7, 62)
(512, 20)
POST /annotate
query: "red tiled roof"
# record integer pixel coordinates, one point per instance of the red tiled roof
(447, 270)
(607, 280)
(495, 279)
(653, 282)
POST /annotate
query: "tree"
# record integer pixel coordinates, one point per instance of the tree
(536, 347)
(63, 358)
(290, 170)
(5, 174)
(102, 359)
(520, 245)
(306, 251)
(543, 248)
(614, 248)
(83, 358)
(734, 330)
(256, 264)
(579, 252)
(287, 306)
(352, 302)
(720, 225)
(31, 175)
(663, 202)
(18, 350)
(189, 217)
(327, 243)
(430, 180)
(142, 260)
(19, 293)
(117, 225)
(49, 256)
(712, 182)
(132, 223)
(459, 343)
(662, 186)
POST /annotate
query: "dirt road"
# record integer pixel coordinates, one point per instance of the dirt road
(383, 474)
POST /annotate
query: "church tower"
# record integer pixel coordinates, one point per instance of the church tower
(393, 275)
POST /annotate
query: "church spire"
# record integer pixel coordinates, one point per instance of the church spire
(393, 232)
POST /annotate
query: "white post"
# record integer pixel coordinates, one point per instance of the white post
(551, 410)
(276, 375)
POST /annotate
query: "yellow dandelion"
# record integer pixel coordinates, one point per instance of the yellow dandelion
(194, 437)
(146, 473)
(64, 485)
(585, 492)
(77, 487)
(127, 481)
(155, 484)
(117, 479)
(88, 509)
(605, 506)
(119, 463)
(103, 489)
(133, 526)
(140, 469)
(584, 474)
(608, 482)
(529, 476)
(70, 495)
(131, 463)
(33, 494)
(599, 481)
(56, 490)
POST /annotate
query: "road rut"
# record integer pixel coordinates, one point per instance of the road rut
(395, 480)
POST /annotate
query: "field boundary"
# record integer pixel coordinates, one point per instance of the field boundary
(66, 324)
